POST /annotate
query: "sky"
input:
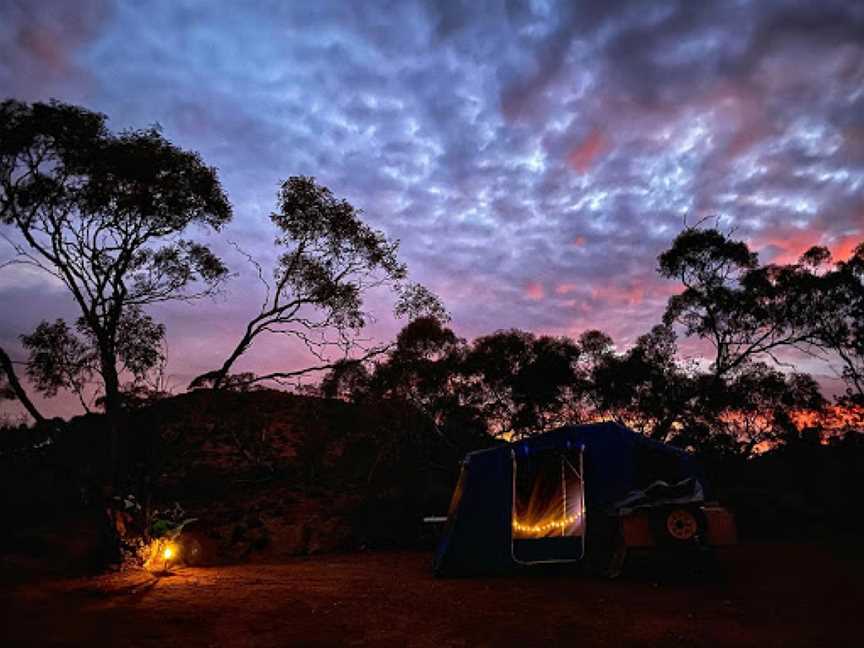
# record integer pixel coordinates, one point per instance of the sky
(533, 158)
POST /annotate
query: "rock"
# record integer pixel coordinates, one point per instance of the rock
(286, 539)
(197, 545)
(258, 539)
(329, 535)
(238, 533)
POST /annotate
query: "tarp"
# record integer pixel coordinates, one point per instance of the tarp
(617, 461)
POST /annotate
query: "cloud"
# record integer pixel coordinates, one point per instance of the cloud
(582, 157)
(533, 158)
(534, 291)
(39, 42)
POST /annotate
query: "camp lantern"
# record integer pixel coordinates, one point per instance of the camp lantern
(169, 553)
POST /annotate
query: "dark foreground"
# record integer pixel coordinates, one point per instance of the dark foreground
(789, 595)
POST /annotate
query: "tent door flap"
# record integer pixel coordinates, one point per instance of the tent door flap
(548, 507)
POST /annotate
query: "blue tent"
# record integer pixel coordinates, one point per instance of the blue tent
(599, 463)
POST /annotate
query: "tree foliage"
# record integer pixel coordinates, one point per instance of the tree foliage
(63, 358)
(832, 310)
(728, 299)
(522, 382)
(104, 214)
(514, 383)
(329, 259)
(750, 311)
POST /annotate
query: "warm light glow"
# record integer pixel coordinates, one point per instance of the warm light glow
(168, 553)
(541, 529)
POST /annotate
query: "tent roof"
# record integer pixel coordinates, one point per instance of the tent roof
(607, 434)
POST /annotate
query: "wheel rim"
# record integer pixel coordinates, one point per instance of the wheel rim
(681, 524)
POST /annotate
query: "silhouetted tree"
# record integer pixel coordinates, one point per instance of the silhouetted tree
(729, 300)
(645, 387)
(347, 380)
(103, 213)
(523, 383)
(60, 358)
(329, 259)
(11, 388)
(748, 311)
(422, 369)
(832, 309)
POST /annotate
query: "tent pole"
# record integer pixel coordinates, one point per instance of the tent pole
(563, 497)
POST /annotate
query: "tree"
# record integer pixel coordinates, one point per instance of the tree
(832, 309)
(748, 411)
(11, 388)
(346, 380)
(523, 383)
(329, 259)
(422, 369)
(104, 213)
(742, 309)
(60, 358)
(645, 387)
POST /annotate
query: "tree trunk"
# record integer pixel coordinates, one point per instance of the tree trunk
(20, 394)
(217, 377)
(113, 410)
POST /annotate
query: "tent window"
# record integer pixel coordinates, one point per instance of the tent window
(548, 495)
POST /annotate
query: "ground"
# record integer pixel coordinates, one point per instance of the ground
(770, 594)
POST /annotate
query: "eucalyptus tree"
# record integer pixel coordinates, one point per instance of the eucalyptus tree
(831, 298)
(60, 357)
(523, 383)
(743, 309)
(105, 215)
(328, 261)
(12, 389)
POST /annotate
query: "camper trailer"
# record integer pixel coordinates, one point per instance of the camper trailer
(588, 494)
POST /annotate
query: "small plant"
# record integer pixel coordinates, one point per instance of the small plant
(152, 543)
(165, 529)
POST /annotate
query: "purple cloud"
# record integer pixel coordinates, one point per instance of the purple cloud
(533, 158)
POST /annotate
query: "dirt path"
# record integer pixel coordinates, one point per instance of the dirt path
(787, 595)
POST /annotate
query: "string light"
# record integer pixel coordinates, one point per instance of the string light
(538, 529)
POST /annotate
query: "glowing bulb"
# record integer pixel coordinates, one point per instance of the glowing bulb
(168, 553)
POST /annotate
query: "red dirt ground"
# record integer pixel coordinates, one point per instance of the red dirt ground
(789, 595)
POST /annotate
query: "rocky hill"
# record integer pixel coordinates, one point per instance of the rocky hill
(264, 474)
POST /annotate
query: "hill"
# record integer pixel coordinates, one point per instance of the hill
(264, 473)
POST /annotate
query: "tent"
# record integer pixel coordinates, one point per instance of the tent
(545, 498)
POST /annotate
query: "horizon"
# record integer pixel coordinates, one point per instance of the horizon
(533, 160)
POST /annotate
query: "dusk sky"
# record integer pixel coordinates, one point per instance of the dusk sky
(533, 158)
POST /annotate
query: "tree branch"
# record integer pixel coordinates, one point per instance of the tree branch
(17, 388)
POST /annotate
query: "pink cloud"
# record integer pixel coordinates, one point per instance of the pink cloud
(634, 292)
(44, 46)
(583, 156)
(789, 245)
(630, 294)
(534, 291)
(844, 246)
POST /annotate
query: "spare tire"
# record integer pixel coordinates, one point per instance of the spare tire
(679, 525)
